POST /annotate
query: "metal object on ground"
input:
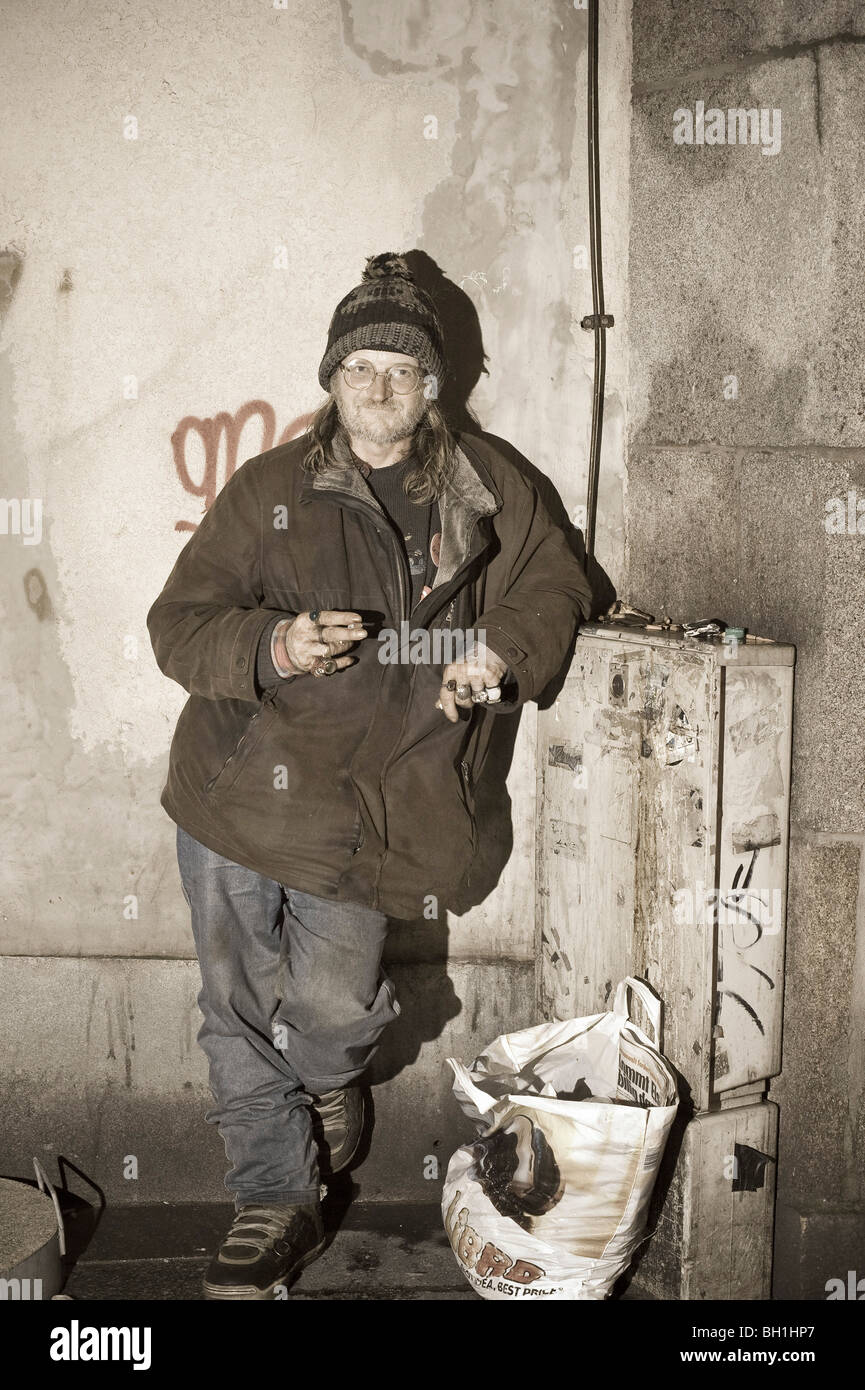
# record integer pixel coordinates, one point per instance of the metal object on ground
(31, 1241)
(704, 627)
(621, 612)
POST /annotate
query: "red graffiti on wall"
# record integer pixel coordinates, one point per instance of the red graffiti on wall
(211, 431)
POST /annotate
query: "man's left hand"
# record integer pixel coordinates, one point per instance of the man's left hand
(481, 670)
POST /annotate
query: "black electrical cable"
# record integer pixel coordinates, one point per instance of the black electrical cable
(600, 321)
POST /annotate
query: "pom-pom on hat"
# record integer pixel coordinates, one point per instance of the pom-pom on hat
(387, 311)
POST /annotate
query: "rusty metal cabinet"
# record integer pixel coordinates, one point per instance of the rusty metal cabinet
(662, 832)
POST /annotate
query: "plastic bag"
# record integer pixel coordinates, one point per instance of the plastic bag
(551, 1200)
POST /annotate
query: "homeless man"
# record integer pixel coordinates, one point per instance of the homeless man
(318, 788)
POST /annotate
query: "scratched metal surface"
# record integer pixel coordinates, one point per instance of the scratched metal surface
(638, 857)
(753, 874)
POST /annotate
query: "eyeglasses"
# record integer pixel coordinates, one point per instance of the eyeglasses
(401, 379)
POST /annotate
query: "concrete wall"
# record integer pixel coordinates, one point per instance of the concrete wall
(102, 1068)
(191, 190)
(747, 419)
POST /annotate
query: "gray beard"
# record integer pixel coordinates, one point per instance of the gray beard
(381, 424)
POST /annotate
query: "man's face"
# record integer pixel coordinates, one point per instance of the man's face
(376, 413)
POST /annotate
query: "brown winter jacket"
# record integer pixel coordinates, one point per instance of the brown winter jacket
(352, 786)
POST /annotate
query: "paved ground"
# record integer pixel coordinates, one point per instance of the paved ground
(377, 1251)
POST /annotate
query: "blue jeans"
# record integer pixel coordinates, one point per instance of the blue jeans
(294, 1001)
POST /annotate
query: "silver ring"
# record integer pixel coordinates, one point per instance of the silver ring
(493, 694)
(463, 692)
(324, 668)
(479, 697)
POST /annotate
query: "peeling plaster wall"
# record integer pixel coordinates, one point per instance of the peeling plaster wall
(148, 284)
(748, 266)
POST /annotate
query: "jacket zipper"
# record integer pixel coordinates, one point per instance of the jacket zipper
(401, 568)
(377, 516)
(353, 504)
(469, 797)
(267, 699)
(386, 766)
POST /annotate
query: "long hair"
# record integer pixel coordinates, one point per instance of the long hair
(433, 446)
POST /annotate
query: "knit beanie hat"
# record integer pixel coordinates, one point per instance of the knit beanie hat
(387, 311)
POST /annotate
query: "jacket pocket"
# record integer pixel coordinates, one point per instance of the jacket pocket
(468, 795)
(358, 833)
(256, 727)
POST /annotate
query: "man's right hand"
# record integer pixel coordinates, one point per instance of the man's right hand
(300, 643)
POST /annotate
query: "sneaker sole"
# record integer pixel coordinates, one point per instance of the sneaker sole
(247, 1293)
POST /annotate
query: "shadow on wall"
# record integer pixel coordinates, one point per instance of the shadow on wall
(465, 355)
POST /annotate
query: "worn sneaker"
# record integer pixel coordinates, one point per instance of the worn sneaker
(265, 1247)
(338, 1128)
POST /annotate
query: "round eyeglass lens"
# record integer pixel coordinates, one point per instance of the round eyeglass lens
(401, 379)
